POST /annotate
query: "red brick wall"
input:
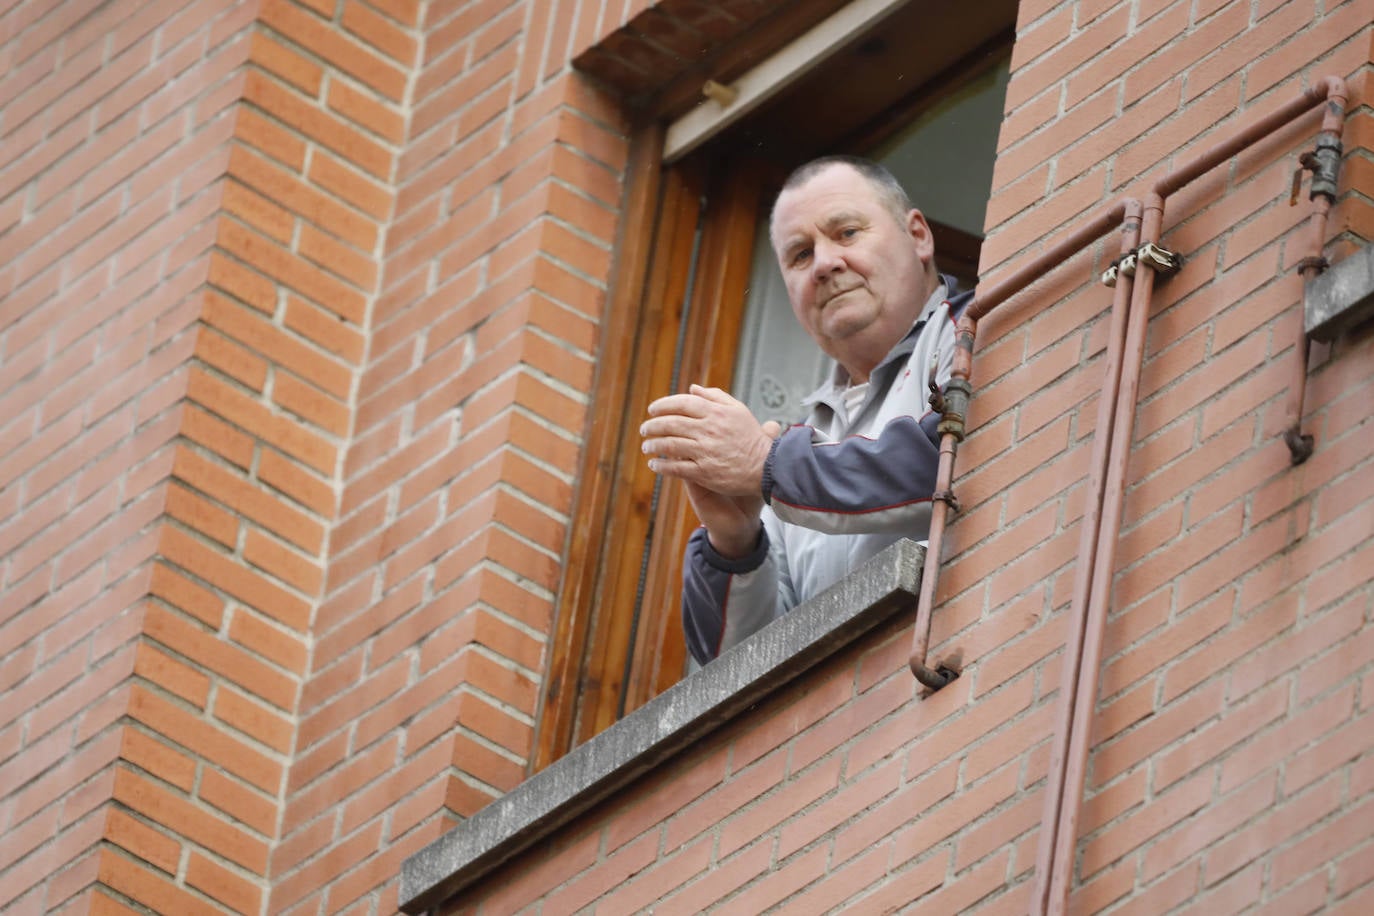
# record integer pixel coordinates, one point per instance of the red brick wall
(233, 234)
(116, 126)
(1233, 764)
(1237, 667)
(298, 315)
(457, 485)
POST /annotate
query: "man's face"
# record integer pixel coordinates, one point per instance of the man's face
(856, 276)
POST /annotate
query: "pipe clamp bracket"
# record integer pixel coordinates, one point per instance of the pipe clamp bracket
(1164, 261)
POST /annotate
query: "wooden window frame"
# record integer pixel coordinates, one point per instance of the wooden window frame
(596, 675)
(604, 662)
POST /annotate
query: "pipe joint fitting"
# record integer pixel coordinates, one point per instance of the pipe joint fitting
(957, 394)
(1324, 162)
(1326, 166)
(1299, 445)
(1313, 265)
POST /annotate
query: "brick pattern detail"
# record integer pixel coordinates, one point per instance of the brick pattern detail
(299, 302)
(457, 483)
(1232, 764)
(309, 194)
(115, 132)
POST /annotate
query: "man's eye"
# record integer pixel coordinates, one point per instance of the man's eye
(848, 232)
(802, 256)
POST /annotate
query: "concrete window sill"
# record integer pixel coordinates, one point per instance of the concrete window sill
(664, 726)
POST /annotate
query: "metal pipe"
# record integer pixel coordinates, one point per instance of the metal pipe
(1079, 697)
(1085, 567)
(933, 678)
(1058, 842)
(983, 302)
(1323, 195)
(1112, 447)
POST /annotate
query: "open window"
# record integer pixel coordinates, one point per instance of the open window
(699, 298)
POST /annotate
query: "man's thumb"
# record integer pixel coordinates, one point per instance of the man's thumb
(772, 429)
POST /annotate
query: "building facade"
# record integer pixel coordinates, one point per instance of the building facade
(332, 581)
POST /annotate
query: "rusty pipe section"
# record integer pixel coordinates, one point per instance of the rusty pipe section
(1058, 839)
(1073, 242)
(1091, 600)
(952, 427)
(1104, 438)
(1324, 162)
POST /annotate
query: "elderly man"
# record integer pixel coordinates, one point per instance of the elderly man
(787, 513)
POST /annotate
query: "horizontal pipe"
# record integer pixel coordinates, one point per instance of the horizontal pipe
(985, 301)
(1249, 135)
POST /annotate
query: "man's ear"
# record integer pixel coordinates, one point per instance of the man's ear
(919, 230)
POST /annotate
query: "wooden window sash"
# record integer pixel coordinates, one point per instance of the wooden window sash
(597, 483)
(708, 358)
(603, 662)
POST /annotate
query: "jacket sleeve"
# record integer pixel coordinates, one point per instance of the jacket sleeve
(725, 601)
(858, 485)
(861, 484)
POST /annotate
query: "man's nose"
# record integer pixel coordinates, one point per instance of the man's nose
(826, 260)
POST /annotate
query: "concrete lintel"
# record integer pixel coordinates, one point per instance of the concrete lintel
(664, 726)
(1341, 297)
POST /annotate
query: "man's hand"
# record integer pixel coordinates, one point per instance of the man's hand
(708, 438)
(732, 522)
(715, 446)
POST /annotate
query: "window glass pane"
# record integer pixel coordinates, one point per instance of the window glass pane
(944, 157)
(778, 364)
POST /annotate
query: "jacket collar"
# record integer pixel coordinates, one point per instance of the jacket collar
(831, 393)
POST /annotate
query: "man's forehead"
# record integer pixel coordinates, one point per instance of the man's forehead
(824, 198)
(838, 181)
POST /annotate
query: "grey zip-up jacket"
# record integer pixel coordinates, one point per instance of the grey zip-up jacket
(838, 489)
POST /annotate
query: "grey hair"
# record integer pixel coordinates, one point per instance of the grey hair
(890, 191)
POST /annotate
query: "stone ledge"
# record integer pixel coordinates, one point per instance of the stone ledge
(1341, 297)
(664, 726)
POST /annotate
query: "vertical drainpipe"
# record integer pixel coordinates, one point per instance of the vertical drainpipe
(1324, 162)
(1092, 591)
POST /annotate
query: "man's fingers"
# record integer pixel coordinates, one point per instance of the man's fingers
(683, 405)
(670, 426)
(670, 467)
(674, 447)
(711, 394)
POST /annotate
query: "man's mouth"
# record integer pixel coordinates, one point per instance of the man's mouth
(835, 295)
